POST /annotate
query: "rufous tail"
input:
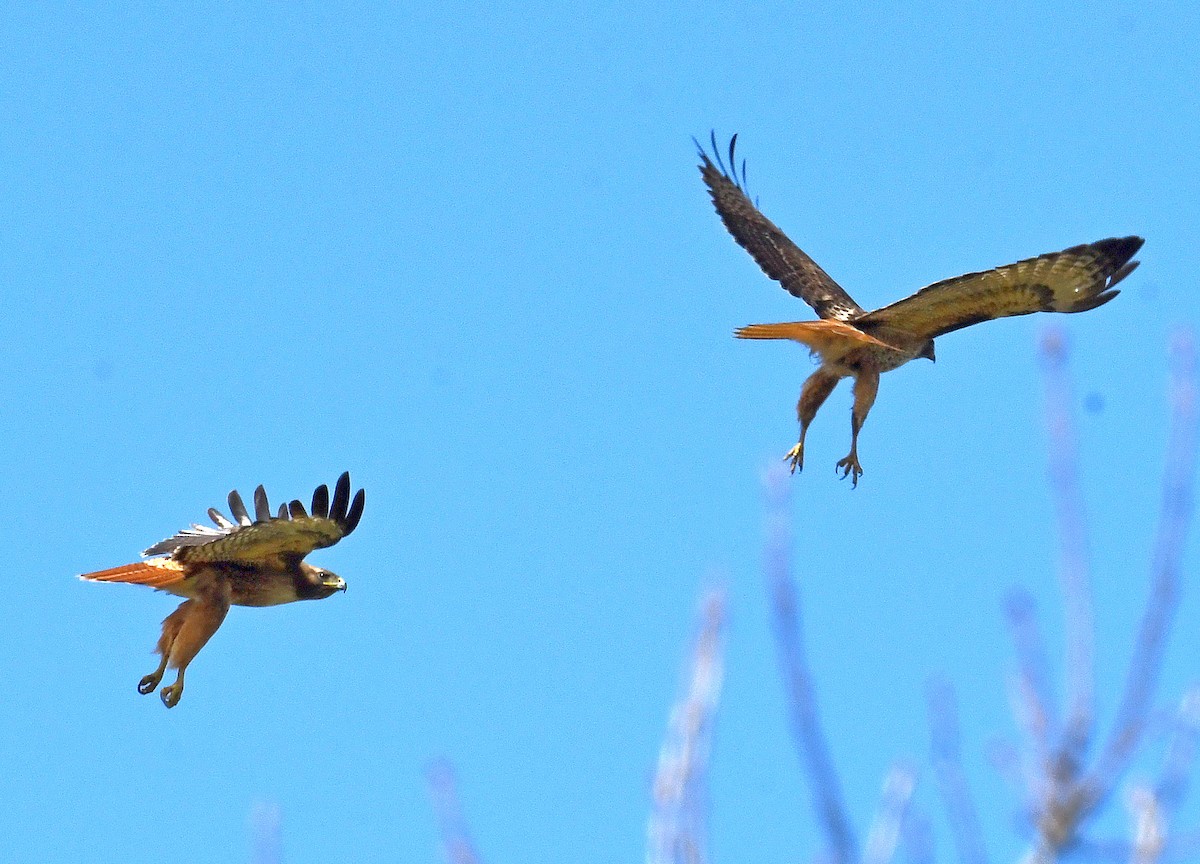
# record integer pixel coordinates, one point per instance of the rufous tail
(157, 573)
(829, 338)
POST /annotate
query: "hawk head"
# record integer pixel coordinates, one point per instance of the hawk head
(319, 583)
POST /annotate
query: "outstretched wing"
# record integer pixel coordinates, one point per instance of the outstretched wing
(292, 532)
(1073, 280)
(779, 257)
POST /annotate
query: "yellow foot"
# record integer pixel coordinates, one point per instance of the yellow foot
(796, 457)
(149, 683)
(850, 468)
(170, 694)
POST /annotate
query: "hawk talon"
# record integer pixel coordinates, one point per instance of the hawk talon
(850, 468)
(170, 694)
(796, 457)
(149, 683)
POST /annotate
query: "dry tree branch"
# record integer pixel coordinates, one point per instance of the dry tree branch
(1033, 704)
(675, 833)
(1157, 617)
(888, 827)
(1072, 794)
(447, 809)
(951, 778)
(266, 825)
(797, 679)
(1073, 568)
(1181, 753)
(1149, 826)
(916, 837)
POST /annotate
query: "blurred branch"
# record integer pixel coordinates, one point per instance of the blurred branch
(1070, 794)
(1073, 569)
(1176, 515)
(1181, 753)
(888, 827)
(916, 837)
(797, 679)
(447, 809)
(1033, 704)
(951, 779)
(266, 825)
(675, 833)
(1149, 828)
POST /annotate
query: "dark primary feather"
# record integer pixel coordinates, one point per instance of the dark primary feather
(1073, 280)
(779, 257)
(262, 510)
(341, 498)
(291, 531)
(356, 511)
(320, 502)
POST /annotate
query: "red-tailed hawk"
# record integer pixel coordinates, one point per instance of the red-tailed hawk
(854, 343)
(243, 562)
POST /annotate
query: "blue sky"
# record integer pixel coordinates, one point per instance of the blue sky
(463, 251)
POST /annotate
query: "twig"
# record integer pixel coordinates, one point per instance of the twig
(1073, 568)
(951, 779)
(797, 679)
(916, 837)
(267, 826)
(675, 833)
(447, 809)
(1164, 596)
(1181, 754)
(1033, 704)
(888, 826)
(1149, 827)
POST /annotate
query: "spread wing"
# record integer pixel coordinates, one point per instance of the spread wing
(292, 532)
(1073, 280)
(779, 257)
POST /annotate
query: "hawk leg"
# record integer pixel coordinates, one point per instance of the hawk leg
(866, 386)
(170, 629)
(185, 632)
(813, 394)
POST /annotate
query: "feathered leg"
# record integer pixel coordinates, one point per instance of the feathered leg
(170, 629)
(185, 632)
(813, 394)
(866, 386)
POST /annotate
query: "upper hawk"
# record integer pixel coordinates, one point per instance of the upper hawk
(852, 342)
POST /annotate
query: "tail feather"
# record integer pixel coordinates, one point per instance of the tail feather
(830, 338)
(156, 573)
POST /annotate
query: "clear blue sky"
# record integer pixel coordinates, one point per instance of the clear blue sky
(463, 251)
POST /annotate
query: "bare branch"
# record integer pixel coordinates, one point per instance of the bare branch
(951, 779)
(1033, 705)
(447, 809)
(888, 826)
(266, 823)
(1149, 827)
(797, 679)
(675, 833)
(1073, 567)
(1181, 754)
(916, 837)
(1176, 516)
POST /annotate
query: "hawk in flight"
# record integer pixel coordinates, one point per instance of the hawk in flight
(243, 562)
(854, 343)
